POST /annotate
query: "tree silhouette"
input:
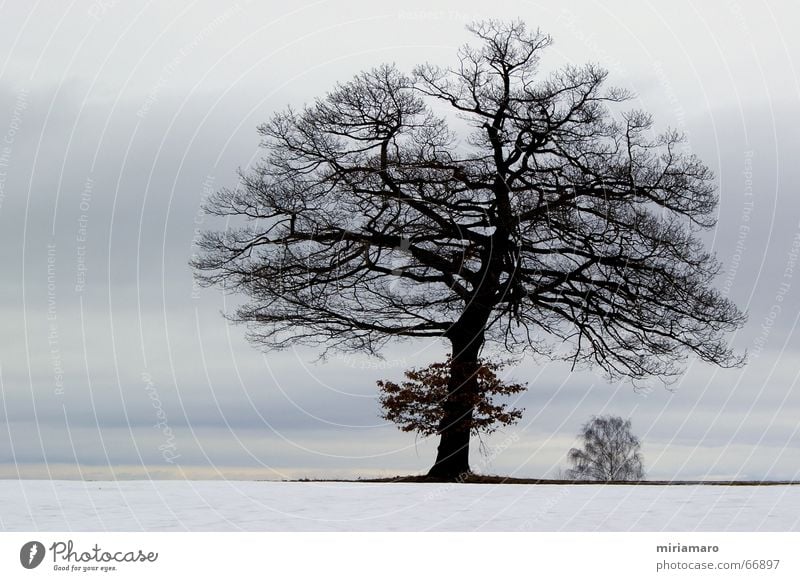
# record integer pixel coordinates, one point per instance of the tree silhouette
(483, 204)
(609, 451)
(415, 405)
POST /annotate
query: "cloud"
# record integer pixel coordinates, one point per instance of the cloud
(117, 139)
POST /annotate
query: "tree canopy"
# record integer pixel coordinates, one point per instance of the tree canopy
(415, 405)
(488, 202)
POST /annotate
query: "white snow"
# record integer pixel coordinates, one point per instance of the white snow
(39, 505)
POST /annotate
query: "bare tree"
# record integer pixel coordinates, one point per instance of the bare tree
(609, 451)
(415, 405)
(483, 204)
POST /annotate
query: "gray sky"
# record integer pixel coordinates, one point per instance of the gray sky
(116, 118)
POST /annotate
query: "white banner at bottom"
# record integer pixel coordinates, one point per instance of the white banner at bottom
(399, 556)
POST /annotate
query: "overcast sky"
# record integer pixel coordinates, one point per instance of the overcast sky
(116, 118)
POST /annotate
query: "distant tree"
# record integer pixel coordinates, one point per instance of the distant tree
(483, 203)
(415, 405)
(609, 451)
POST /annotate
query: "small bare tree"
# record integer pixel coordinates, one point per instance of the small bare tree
(609, 452)
(415, 405)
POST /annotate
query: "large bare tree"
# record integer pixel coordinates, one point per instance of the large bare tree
(486, 203)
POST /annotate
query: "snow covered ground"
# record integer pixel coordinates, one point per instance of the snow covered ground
(277, 506)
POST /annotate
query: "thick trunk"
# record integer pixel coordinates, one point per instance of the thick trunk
(466, 337)
(452, 459)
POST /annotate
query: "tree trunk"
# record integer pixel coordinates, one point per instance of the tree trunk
(452, 459)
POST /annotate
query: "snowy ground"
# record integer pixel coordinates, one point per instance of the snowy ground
(277, 506)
